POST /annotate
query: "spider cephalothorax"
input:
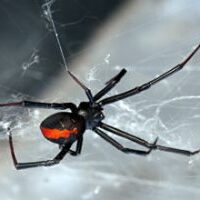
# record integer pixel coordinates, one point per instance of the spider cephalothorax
(92, 114)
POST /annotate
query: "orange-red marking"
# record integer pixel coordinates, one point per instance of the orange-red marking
(56, 133)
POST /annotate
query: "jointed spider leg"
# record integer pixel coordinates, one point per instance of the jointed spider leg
(110, 84)
(178, 151)
(120, 147)
(78, 147)
(142, 142)
(45, 163)
(87, 90)
(126, 135)
(31, 104)
(147, 85)
(48, 14)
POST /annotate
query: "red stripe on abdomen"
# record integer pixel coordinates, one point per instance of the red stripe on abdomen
(57, 133)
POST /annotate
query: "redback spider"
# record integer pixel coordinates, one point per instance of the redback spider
(65, 128)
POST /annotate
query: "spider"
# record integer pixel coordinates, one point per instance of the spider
(66, 128)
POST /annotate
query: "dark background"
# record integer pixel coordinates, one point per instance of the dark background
(24, 31)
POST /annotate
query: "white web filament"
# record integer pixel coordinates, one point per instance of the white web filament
(46, 7)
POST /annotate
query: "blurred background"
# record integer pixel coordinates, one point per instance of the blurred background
(100, 38)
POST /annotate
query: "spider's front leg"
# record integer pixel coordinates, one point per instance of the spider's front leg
(175, 150)
(109, 85)
(152, 82)
(32, 104)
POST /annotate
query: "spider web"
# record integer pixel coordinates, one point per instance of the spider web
(170, 110)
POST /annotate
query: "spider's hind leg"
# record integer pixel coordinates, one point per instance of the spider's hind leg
(121, 147)
(45, 163)
(151, 146)
(175, 150)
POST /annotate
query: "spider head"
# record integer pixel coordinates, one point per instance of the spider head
(63, 127)
(92, 114)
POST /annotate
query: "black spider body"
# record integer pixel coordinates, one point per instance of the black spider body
(92, 113)
(63, 127)
(66, 128)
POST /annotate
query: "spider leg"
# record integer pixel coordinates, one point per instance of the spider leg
(44, 163)
(31, 104)
(121, 147)
(110, 84)
(147, 85)
(145, 143)
(126, 135)
(178, 151)
(87, 90)
(47, 8)
(78, 147)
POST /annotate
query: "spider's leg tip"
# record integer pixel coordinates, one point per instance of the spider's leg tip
(195, 152)
(198, 151)
(124, 70)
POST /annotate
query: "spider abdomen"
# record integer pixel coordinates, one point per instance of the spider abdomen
(62, 127)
